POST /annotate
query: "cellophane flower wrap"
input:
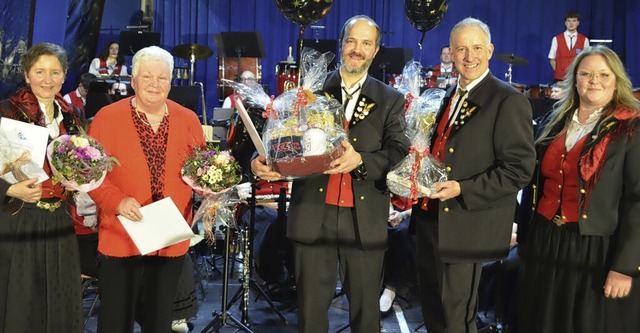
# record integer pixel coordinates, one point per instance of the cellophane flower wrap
(303, 130)
(16, 163)
(413, 177)
(213, 174)
(79, 162)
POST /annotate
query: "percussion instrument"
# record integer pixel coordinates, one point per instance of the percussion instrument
(511, 59)
(192, 52)
(230, 68)
(540, 91)
(287, 74)
(519, 87)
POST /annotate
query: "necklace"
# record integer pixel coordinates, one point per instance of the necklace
(134, 104)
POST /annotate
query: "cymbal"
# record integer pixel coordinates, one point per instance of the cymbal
(187, 50)
(511, 58)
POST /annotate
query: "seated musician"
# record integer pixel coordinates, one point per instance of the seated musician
(444, 74)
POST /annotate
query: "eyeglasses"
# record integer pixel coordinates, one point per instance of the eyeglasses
(602, 76)
(247, 79)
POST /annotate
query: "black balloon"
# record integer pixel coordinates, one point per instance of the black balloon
(424, 15)
(304, 12)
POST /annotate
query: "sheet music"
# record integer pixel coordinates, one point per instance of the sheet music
(251, 129)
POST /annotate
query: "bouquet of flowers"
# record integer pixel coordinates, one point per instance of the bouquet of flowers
(210, 171)
(79, 162)
(303, 131)
(415, 175)
(213, 174)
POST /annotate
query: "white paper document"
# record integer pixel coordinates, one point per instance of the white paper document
(162, 225)
(26, 141)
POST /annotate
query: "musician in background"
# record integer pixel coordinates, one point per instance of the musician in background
(445, 70)
(110, 62)
(566, 45)
(248, 78)
(78, 97)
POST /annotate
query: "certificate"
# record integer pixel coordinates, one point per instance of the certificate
(162, 225)
(24, 147)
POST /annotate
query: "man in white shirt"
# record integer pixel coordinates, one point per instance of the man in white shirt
(565, 46)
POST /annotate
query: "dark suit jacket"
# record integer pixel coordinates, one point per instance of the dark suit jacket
(490, 153)
(379, 138)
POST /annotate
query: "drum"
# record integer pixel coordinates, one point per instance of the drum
(287, 74)
(228, 69)
(540, 91)
(519, 87)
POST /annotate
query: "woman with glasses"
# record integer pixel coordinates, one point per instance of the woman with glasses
(582, 210)
(39, 262)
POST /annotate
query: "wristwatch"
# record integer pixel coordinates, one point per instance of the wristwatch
(360, 172)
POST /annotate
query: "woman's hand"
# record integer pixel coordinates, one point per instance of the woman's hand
(26, 190)
(130, 208)
(395, 218)
(617, 285)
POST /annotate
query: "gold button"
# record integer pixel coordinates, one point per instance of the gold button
(583, 191)
(448, 169)
(564, 218)
(559, 200)
(534, 186)
(354, 139)
(584, 216)
(451, 150)
(270, 186)
(362, 197)
(321, 189)
(438, 154)
(561, 171)
(560, 186)
(562, 155)
(50, 192)
(639, 268)
(445, 209)
(341, 201)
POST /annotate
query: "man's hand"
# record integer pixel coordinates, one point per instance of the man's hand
(347, 162)
(26, 190)
(446, 190)
(260, 169)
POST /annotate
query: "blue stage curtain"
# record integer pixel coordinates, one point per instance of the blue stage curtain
(524, 28)
(15, 37)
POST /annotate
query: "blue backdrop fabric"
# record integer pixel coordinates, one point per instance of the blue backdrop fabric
(524, 28)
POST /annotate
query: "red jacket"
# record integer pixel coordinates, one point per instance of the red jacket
(113, 127)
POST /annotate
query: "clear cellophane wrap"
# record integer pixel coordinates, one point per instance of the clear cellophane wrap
(16, 164)
(303, 131)
(218, 209)
(415, 175)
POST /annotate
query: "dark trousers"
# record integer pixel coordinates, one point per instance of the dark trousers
(316, 271)
(138, 288)
(448, 291)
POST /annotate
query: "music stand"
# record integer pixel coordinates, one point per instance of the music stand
(322, 46)
(240, 44)
(389, 60)
(132, 41)
(186, 96)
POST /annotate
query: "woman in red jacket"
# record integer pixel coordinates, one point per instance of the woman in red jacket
(151, 136)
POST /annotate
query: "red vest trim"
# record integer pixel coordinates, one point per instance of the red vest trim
(103, 70)
(560, 172)
(76, 100)
(340, 191)
(564, 56)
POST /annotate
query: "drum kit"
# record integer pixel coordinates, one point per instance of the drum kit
(512, 59)
(193, 52)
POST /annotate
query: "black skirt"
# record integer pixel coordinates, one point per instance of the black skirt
(562, 286)
(42, 285)
(185, 305)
